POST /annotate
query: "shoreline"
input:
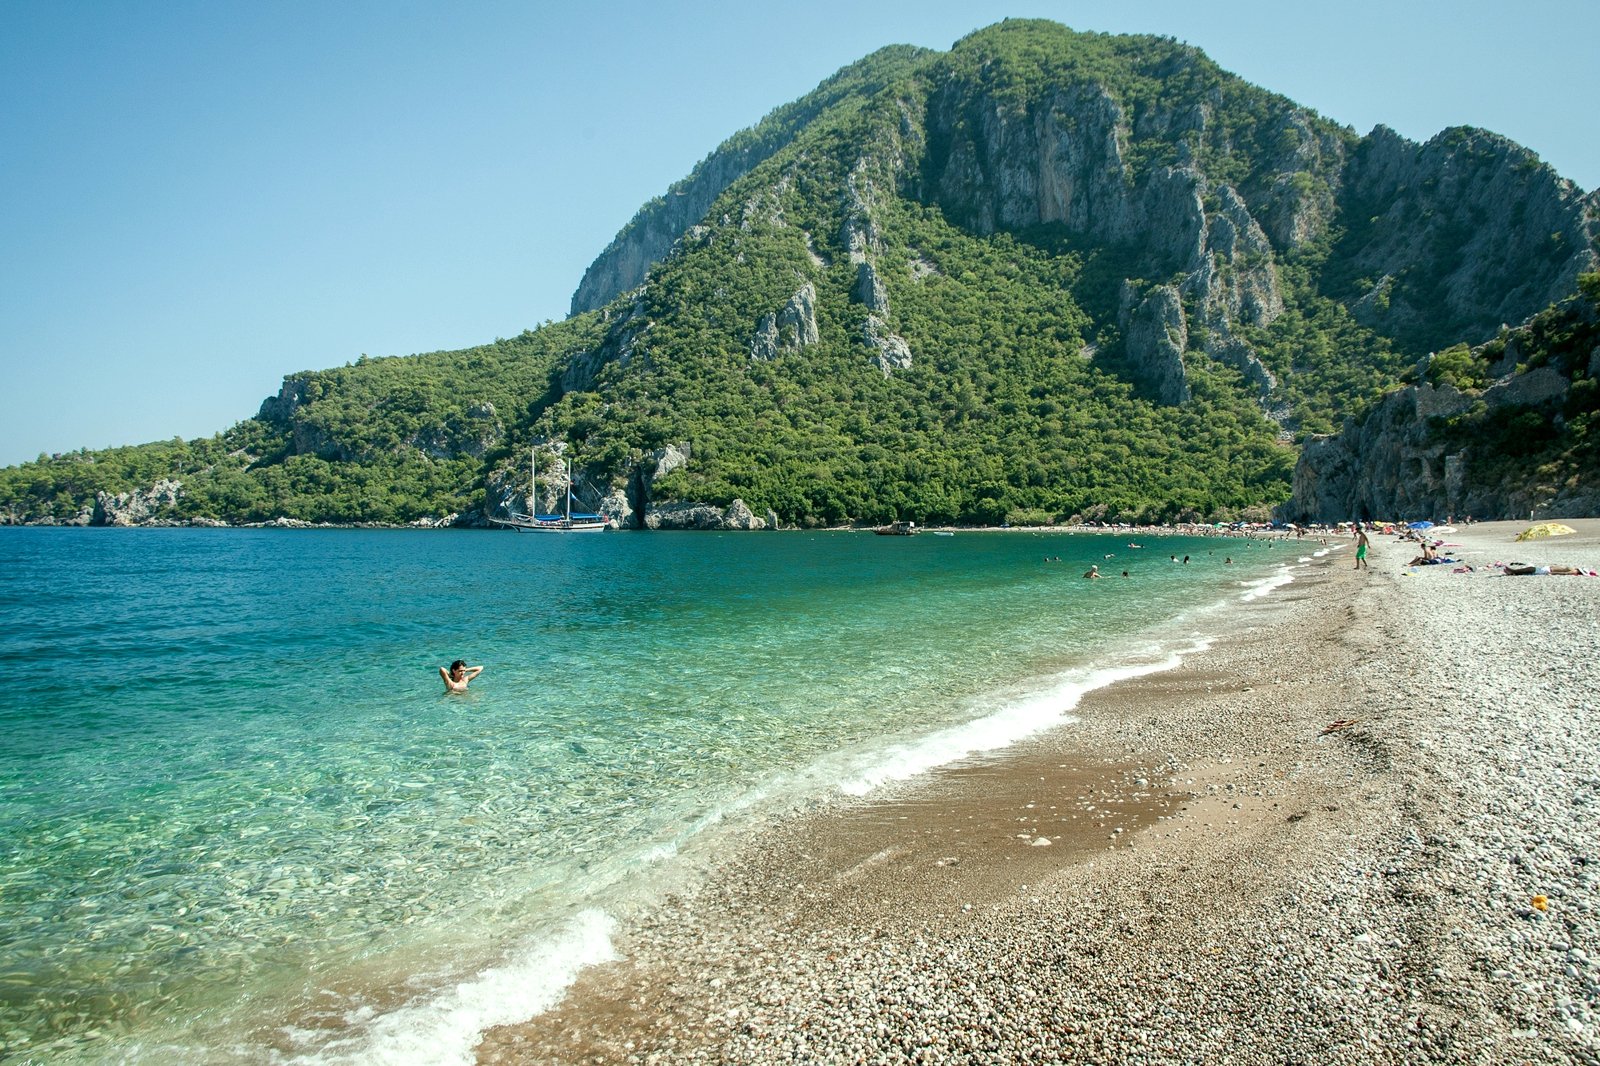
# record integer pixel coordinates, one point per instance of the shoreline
(1222, 879)
(1256, 531)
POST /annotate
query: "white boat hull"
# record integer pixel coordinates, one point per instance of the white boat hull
(560, 525)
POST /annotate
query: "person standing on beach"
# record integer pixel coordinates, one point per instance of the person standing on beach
(458, 674)
(1361, 548)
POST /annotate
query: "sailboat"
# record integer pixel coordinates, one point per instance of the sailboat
(534, 522)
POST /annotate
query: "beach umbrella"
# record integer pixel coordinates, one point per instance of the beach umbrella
(1545, 529)
(1420, 525)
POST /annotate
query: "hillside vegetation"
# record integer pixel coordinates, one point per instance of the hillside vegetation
(1045, 274)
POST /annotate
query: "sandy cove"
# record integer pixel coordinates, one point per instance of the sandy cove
(1226, 879)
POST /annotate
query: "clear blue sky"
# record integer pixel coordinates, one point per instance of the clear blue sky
(197, 198)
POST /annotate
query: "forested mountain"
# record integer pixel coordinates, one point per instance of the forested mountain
(1043, 274)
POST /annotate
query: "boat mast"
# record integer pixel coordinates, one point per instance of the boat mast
(533, 483)
(569, 488)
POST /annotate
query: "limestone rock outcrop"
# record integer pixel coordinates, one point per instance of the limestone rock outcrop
(614, 507)
(869, 288)
(137, 508)
(1155, 335)
(863, 242)
(629, 504)
(736, 516)
(890, 352)
(789, 329)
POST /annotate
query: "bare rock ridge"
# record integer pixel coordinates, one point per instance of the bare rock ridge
(1470, 224)
(658, 225)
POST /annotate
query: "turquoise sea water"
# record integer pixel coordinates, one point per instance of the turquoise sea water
(240, 821)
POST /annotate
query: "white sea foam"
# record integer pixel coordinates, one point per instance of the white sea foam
(1260, 587)
(1013, 722)
(442, 1029)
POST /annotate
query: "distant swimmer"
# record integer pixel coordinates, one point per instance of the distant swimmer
(458, 674)
(1094, 570)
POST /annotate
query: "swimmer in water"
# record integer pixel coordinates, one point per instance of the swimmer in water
(458, 674)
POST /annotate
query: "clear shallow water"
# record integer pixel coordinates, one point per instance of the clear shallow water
(239, 819)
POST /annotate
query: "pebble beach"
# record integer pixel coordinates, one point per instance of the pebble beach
(1361, 827)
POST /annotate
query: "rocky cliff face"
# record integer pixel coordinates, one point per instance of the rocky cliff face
(1432, 451)
(1461, 235)
(1156, 333)
(1068, 156)
(658, 225)
(789, 329)
(1389, 465)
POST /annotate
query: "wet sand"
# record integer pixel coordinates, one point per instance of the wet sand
(1201, 869)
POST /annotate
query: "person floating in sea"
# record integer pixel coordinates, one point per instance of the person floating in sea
(1094, 571)
(1361, 549)
(458, 674)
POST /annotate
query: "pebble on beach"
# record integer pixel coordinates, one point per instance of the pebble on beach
(1421, 884)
